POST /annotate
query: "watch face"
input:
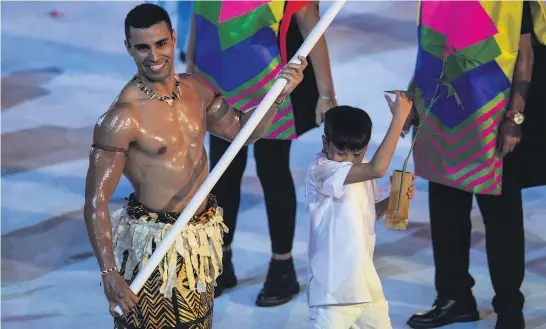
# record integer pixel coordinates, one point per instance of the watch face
(518, 118)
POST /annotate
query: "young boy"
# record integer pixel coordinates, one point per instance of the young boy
(341, 193)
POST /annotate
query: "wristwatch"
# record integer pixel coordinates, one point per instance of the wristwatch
(515, 117)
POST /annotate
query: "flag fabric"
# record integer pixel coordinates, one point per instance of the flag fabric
(292, 7)
(457, 141)
(237, 54)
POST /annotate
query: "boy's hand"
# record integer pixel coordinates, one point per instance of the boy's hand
(401, 107)
(411, 189)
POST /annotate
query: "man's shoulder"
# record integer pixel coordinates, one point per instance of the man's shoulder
(188, 76)
(116, 126)
(122, 113)
(130, 96)
(128, 102)
(193, 82)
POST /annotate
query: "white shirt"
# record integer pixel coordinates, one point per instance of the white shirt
(342, 234)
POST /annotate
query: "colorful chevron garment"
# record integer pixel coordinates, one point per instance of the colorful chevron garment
(457, 143)
(237, 54)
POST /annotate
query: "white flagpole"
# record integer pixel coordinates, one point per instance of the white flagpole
(231, 152)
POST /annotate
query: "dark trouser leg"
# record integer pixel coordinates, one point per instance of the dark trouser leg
(505, 243)
(228, 193)
(228, 188)
(450, 229)
(273, 166)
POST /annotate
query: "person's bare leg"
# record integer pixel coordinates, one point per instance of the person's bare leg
(286, 256)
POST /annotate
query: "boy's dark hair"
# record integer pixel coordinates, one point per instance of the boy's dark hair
(145, 15)
(349, 128)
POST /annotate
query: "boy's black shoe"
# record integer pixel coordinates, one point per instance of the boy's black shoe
(445, 312)
(281, 284)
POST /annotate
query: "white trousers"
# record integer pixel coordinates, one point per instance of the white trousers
(357, 316)
(373, 315)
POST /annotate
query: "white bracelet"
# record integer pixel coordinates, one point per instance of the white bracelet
(328, 98)
(112, 269)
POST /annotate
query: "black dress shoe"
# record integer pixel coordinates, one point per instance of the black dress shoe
(507, 321)
(445, 312)
(281, 284)
(227, 279)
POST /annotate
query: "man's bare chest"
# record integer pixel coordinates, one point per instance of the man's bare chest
(168, 131)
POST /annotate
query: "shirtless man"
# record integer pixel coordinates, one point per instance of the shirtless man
(154, 134)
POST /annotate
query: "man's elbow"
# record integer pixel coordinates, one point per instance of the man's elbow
(230, 137)
(307, 19)
(256, 135)
(251, 140)
(305, 27)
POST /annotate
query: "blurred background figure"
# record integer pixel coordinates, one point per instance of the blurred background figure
(238, 47)
(181, 12)
(469, 144)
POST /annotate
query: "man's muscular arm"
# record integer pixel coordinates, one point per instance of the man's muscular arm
(225, 121)
(113, 133)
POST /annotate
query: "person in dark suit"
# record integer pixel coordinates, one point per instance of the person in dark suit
(521, 144)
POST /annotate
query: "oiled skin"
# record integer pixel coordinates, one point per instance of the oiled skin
(157, 146)
(165, 160)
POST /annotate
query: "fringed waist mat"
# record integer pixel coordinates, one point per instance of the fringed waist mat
(136, 230)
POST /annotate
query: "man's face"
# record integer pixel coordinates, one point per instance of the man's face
(153, 50)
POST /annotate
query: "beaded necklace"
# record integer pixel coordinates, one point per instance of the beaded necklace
(167, 99)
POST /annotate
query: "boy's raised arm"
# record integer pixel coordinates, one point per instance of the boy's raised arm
(377, 168)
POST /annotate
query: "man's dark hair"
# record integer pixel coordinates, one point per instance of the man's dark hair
(145, 15)
(349, 128)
